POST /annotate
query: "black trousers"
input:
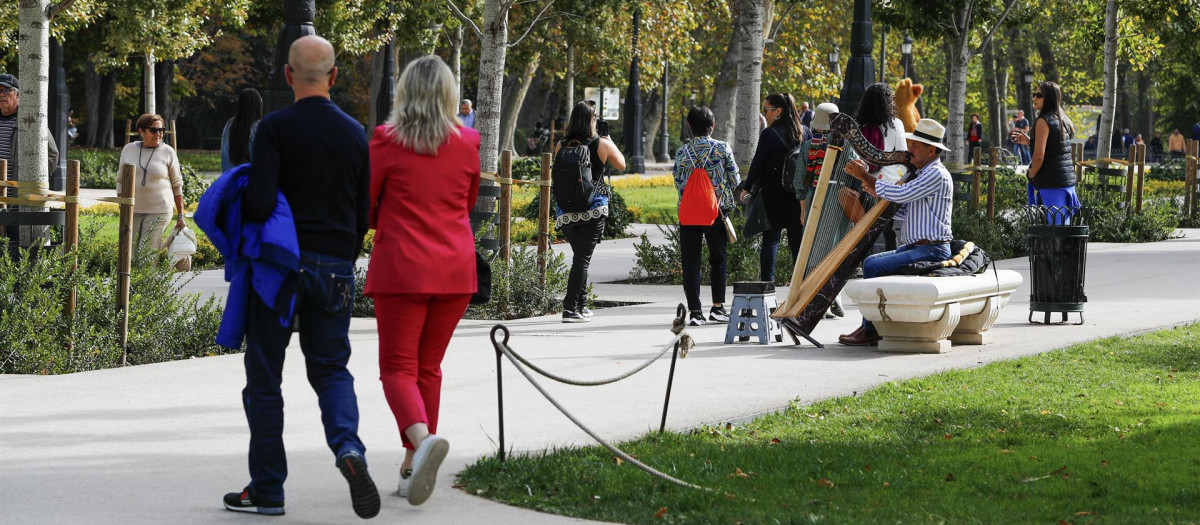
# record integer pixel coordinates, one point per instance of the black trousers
(690, 239)
(770, 247)
(583, 236)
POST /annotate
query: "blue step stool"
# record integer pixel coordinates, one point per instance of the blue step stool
(750, 315)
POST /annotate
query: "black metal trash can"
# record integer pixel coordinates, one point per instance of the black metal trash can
(1058, 239)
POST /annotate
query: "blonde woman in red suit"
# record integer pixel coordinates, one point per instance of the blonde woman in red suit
(424, 180)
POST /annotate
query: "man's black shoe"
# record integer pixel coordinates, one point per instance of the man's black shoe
(363, 494)
(244, 502)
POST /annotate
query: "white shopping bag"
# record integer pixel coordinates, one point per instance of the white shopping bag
(181, 248)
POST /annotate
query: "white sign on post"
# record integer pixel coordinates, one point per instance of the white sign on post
(609, 101)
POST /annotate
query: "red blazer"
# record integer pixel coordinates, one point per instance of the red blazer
(419, 206)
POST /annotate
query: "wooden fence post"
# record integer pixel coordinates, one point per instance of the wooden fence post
(1141, 175)
(174, 137)
(544, 216)
(505, 205)
(991, 186)
(975, 162)
(128, 130)
(124, 260)
(71, 228)
(1129, 176)
(1191, 151)
(1077, 157)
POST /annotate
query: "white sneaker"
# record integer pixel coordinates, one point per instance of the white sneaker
(426, 462)
(405, 481)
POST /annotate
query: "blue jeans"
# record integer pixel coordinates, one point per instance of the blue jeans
(323, 304)
(886, 263)
(770, 248)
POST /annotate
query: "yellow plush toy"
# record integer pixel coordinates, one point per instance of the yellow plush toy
(907, 94)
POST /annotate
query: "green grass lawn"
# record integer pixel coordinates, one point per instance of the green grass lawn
(1104, 432)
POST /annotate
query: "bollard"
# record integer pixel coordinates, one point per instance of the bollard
(124, 260)
(505, 205)
(71, 229)
(544, 217)
(991, 190)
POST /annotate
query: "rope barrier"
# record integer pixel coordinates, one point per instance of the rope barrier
(502, 346)
(598, 382)
(489, 176)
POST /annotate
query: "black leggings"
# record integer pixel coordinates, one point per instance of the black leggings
(583, 236)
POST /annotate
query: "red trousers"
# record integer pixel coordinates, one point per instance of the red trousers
(414, 331)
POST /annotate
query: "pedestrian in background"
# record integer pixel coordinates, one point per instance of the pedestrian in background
(1051, 174)
(466, 113)
(239, 131)
(974, 136)
(1021, 125)
(716, 159)
(424, 181)
(157, 182)
(1176, 144)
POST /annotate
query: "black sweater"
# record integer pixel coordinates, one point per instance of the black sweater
(317, 156)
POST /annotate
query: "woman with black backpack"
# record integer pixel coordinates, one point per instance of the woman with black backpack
(581, 203)
(784, 133)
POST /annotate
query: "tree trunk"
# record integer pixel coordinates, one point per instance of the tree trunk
(992, 84)
(749, 79)
(105, 137)
(956, 97)
(1109, 106)
(1046, 52)
(652, 120)
(725, 89)
(493, 50)
(513, 103)
(570, 102)
(378, 59)
(148, 79)
(456, 44)
(91, 97)
(164, 74)
(34, 69)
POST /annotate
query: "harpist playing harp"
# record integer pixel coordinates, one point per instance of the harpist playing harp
(923, 199)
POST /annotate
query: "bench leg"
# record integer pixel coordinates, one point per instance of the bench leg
(976, 329)
(924, 338)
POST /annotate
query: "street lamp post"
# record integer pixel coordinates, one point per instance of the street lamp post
(834, 57)
(906, 48)
(387, 81)
(664, 154)
(298, 18)
(685, 131)
(860, 70)
(633, 108)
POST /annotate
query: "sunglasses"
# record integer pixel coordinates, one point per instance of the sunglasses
(1037, 95)
(768, 108)
(5, 91)
(157, 130)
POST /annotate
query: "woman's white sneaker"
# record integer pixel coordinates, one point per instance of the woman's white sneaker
(426, 462)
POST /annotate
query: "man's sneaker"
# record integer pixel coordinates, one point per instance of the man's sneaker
(426, 462)
(405, 482)
(244, 502)
(718, 314)
(696, 319)
(570, 316)
(363, 494)
(583, 310)
(836, 309)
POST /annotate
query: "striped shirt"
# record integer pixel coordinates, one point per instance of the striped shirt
(925, 203)
(8, 126)
(718, 162)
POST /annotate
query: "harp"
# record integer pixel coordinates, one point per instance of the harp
(832, 246)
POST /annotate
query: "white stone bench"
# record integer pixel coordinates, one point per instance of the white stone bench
(927, 314)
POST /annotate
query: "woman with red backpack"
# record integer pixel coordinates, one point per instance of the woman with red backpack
(705, 175)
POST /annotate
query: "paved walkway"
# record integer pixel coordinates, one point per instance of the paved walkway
(163, 442)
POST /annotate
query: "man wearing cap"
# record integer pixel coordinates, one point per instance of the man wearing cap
(10, 98)
(925, 205)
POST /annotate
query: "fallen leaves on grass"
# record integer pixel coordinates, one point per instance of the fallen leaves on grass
(825, 483)
(618, 460)
(950, 477)
(739, 474)
(774, 441)
(662, 513)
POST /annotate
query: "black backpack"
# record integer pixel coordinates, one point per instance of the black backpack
(571, 177)
(795, 163)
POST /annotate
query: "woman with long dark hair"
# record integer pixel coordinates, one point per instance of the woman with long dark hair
(240, 130)
(1051, 173)
(584, 229)
(783, 133)
(877, 121)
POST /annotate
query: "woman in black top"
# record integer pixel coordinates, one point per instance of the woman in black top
(783, 134)
(1052, 173)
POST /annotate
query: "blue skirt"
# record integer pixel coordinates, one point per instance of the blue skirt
(1064, 199)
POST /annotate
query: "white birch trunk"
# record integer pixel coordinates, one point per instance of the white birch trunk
(456, 42)
(512, 110)
(725, 90)
(570, 101)
(749, 79)
(34, 72)
(956, 104)
(1109, 107)
(493, 50)
(148, 82)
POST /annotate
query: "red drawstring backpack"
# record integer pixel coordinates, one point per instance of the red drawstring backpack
(698, 204)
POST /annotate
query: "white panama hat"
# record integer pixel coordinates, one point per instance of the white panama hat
(820, 121)
(929, 132)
